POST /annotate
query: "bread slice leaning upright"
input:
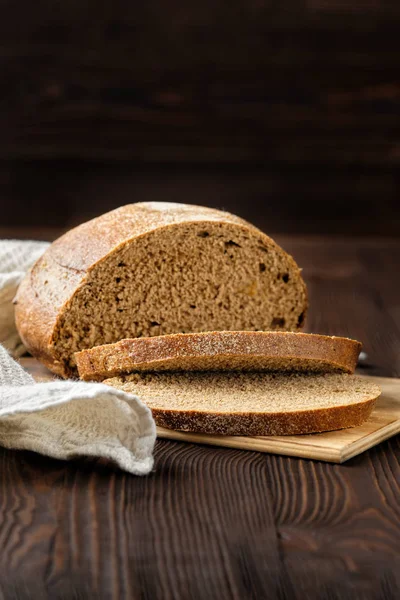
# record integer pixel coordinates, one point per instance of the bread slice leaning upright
(150, 269)
(252, 404)
(221, 350)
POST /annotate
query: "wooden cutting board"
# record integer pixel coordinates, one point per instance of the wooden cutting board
(334, 446)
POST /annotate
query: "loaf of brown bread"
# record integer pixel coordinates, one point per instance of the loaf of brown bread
(220, 351)
(235, 403)
(150, 269)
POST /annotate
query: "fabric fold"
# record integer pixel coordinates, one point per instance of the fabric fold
(16, 257)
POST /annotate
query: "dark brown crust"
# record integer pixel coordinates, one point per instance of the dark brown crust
(260, 424)
(47, 290)
(233, 350)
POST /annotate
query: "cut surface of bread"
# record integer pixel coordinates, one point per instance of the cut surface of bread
(253, 404)
(150, 269)
(221, 350)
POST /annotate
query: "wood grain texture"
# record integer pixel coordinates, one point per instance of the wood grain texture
(100, 106)
(313, 82)
(223, 523)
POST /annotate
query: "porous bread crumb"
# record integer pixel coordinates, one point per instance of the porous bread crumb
(197, 277)
(252, 404)
(238, 393)
(148, 269)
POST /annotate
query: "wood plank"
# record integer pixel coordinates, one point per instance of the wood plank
(340, 519)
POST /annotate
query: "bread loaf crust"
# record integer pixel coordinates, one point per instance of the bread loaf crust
(220, 350)
(47, 291)
(259, 424)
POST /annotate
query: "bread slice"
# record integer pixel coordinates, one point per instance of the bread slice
(151, 269)
(220, 351)
(235, 403)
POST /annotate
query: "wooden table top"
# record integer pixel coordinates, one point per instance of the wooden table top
(220, 523)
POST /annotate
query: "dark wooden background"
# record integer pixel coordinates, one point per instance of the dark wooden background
(286, 112)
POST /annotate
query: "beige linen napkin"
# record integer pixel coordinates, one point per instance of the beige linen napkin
(64, 419)
(15, 259)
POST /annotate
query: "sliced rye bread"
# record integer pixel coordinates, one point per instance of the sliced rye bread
(150, 269)
(220, 351)
(252, 404)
